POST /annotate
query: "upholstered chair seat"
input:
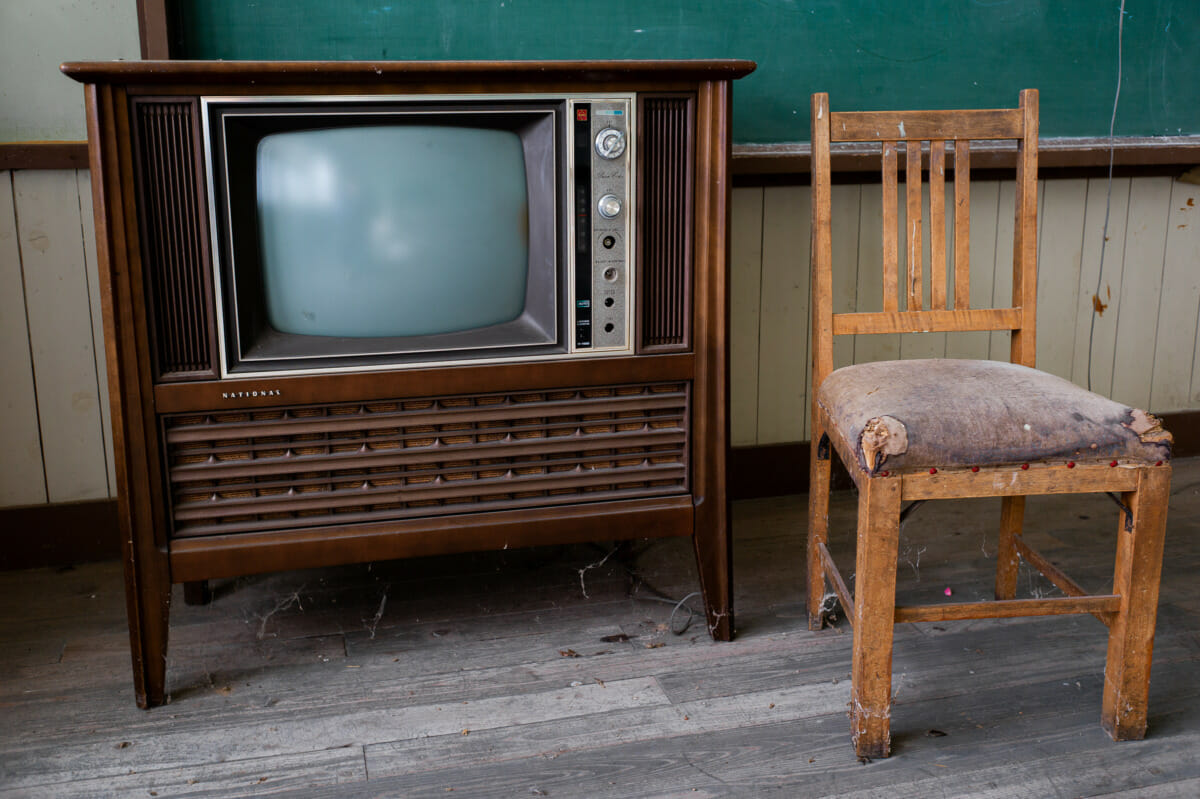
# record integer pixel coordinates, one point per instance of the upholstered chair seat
(944, 413)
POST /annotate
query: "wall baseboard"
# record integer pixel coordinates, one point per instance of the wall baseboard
(34, 536)
(37, 536)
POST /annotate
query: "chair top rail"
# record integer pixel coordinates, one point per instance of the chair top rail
(849, 126)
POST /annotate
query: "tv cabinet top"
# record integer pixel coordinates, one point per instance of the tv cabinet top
(391, 72)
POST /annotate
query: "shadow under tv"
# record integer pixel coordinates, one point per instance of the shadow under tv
(364, 311)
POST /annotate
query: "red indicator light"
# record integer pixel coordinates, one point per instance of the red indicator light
(581, 114)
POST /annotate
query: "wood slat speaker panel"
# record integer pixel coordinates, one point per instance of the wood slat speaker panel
(665, 212)
(175, 237)
(257, 470)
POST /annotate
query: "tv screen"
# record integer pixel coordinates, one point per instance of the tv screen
(392, 230)
(360, 234)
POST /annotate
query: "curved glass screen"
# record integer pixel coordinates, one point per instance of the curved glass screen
(392, 230)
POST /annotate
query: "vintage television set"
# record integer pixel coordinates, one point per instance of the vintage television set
(365, 311)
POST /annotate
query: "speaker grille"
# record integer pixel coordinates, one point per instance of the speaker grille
(666, 203)
(316, 465)
(174, 236)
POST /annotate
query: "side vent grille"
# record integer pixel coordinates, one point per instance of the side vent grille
(666, 210)
(175, 238)
(318, 465)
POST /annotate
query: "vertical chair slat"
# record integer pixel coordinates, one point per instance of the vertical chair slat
(937, 223)
(890, 245)
(912, 180)
(962, 224)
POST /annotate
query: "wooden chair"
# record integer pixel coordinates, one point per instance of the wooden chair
(910, 431)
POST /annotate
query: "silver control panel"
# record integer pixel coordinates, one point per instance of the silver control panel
(603, 223)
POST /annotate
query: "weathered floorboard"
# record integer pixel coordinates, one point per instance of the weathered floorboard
(361, 681)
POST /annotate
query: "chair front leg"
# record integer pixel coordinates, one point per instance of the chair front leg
(874, 616)
(818, 527)
(1136, 579)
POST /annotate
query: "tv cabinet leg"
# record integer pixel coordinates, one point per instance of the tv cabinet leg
(715, 565)
(149, 611)
(197, 593)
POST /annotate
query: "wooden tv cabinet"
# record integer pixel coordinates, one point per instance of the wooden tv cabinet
(204, 489)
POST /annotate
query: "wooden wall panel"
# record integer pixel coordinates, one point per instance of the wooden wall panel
(22, 479)
(61, 334)
(1141, 289)
(1147, 336)
(1177, 346)
(1060, 250)
(869, 280)
(783, 341)
(745, 300)
(1162, 353)
(847, 211)
(998, 341)
(1098, 336)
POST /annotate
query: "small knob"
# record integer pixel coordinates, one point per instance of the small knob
(610, 143)
(609, 206)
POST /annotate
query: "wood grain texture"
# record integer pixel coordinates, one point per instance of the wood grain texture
(1008, 608)
(1005, 123)
(1012, 517)
(874, 601)
(1136, 580)
(1012, 481)
(962, 225)
(926, 321)
(914, 253)
(760, 716)
(891, 223)
(937, 224)
(1023, 349)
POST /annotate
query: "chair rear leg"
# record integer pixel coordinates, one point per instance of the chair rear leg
(874, 616)
(818, 528)
(1136, 579)
(1012, 516)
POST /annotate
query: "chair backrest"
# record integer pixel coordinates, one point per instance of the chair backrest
(922, 136)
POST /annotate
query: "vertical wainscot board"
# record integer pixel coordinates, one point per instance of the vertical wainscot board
(61, 334)
(22, 478)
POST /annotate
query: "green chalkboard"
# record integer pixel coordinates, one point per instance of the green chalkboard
(880, 55)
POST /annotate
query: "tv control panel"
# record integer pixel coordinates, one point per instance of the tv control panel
(602, 223)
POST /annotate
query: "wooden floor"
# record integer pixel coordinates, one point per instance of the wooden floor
(556, 672)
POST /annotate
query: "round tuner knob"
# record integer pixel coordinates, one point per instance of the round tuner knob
(609, 206)
(610, 143)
